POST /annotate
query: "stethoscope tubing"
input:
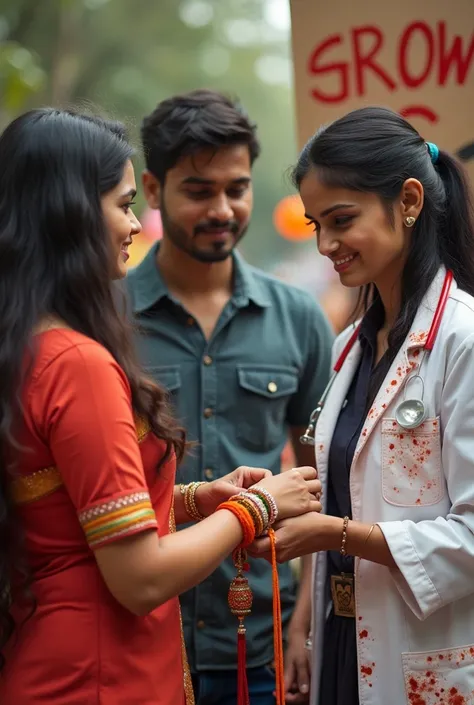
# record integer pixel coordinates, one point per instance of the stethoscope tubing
(308, 437)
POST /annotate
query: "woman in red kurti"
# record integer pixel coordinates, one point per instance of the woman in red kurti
(90, 568)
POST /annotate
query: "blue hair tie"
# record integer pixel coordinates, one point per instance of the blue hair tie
(433, 151)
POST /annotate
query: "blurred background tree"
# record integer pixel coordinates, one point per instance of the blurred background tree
(123, 56)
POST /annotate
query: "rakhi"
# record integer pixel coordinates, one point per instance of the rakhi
(240, 597)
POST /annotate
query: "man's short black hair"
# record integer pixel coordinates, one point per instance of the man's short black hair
(185, 124)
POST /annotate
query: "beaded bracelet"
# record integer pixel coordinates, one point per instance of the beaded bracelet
(253, 507)
(188, 492)
(345, 524)
(261, 508)
(253, 510)
(268, 500)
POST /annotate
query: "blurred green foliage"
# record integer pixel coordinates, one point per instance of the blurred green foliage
(123, 56)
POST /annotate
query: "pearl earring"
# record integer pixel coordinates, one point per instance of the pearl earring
(410, 221)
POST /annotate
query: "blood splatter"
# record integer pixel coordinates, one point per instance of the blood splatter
(455, 698)
(366, 670)
(363, 634)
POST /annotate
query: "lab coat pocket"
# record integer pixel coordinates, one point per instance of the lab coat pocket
(437, 677)
(411, 464)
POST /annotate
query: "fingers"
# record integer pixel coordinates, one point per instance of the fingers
(303, 675)
(295, 698)
(307, 472)
(260, 548)
(315, 487)
(315, 506)
(290, 675)
(245, 476)
(253, 475)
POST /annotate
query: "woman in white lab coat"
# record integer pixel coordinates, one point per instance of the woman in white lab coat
(393, 611)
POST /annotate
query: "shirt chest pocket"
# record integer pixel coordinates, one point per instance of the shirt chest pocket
(263, 397)
(411, 464)
(168, 377)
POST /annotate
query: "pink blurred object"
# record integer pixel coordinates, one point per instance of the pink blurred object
(152, 227)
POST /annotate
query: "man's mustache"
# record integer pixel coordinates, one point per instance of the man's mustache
(211, 225)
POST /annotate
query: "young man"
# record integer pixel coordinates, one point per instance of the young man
(243, 355)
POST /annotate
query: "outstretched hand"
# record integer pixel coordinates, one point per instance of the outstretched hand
(295, 537)
(209, 496)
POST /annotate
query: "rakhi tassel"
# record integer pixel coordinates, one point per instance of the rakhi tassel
(242, 685)
(240, 600)
(277, 626)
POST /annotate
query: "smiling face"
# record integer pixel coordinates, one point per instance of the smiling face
(120, 220)
(206, 201)
(356, 231)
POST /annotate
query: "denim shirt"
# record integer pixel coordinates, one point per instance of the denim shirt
(261, 372)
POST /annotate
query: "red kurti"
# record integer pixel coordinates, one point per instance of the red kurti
(89, 477)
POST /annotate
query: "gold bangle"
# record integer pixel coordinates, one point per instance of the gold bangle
(369, 534)
(345, 524)
(188, 492)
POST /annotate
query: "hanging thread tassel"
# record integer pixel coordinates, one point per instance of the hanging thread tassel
(277, 626)
(240, 600)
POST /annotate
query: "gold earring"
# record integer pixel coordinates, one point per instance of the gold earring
(410, 221)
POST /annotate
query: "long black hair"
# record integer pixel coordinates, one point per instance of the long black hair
(375, 150)
(56, 261)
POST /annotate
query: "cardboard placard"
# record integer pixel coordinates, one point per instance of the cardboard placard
(416, 58)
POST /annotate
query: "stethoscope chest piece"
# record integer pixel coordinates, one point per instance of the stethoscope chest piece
(410, 413)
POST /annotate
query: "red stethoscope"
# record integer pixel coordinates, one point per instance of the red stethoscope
(410, 413)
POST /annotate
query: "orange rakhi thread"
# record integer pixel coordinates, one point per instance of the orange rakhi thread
(277, 626)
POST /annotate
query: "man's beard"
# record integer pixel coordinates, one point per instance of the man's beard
(219, 251)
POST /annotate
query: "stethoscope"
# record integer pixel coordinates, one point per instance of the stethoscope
(411, 412)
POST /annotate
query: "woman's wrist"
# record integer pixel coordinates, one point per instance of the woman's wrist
(330, 532)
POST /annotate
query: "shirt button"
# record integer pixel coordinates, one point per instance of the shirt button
(201, 624)
(272, 387)
(190, 321)
(207, 360)
(208, 413)
(208, 473)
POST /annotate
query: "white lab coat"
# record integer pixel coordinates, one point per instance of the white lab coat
(415, 625)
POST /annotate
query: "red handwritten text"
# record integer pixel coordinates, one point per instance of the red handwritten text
(446, 58)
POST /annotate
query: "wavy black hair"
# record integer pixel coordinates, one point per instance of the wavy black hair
(56, 261)
(374, 150)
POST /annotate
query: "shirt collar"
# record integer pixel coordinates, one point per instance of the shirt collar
(149, 286)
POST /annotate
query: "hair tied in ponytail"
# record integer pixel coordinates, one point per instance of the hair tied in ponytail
(433, 151)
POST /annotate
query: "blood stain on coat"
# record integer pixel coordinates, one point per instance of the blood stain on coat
(455, 698)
